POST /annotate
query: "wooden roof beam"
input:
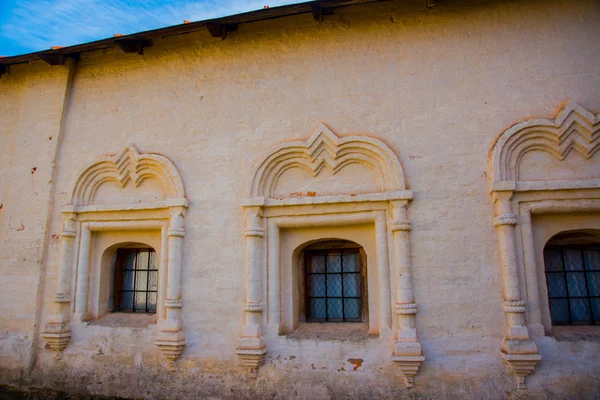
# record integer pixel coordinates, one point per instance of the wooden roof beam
(318, 11)
(133, 45)
(58, 59)
(220, 30)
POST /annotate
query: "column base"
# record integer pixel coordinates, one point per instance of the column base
(57, 335)
(409, 365)
(251, 351)
(252, 358)
(171, 344)
(527, 346)
(522, 365)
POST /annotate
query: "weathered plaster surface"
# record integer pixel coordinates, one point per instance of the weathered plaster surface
(437, 86)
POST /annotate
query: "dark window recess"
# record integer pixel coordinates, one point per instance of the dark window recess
(573, 278)
(136, 281)
(333, 285)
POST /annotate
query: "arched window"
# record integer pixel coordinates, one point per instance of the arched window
(135, 287)
(572, 264)
(335, 282)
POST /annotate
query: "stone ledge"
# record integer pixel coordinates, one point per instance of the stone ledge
(533, 186)
(344, 198)
(125, 320)
(575, 333)
(348, 331)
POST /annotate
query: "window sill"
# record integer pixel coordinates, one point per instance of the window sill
(576, 333)
(125, 320)
(339, 332)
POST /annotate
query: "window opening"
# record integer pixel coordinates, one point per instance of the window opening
(333, 285)
(573, 279)
(136, 281)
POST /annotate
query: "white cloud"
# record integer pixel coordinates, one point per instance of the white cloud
(40, 24)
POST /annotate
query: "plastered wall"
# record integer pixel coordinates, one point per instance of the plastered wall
(437, 86)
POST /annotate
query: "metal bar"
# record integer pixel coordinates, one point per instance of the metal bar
(562, 259)
(147, 280)
(326, 292)
(586, 287)
(342, 278)
(137, 253)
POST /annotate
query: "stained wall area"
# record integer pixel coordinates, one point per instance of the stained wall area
(434, 94)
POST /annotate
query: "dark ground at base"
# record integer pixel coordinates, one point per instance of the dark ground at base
(11, 393)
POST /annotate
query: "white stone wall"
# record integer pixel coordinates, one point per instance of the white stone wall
(437, 86)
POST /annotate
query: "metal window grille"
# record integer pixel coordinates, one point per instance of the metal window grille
(136, 281)
(573, 279)
(333, 285)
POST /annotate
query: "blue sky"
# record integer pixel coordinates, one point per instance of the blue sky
(32, 25)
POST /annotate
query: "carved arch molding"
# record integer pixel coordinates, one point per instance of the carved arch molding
(516, 199)
(385, 209)
(82, 217)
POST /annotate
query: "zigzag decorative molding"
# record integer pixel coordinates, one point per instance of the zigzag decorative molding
(574, 128)
(127, 166)
(325, 149)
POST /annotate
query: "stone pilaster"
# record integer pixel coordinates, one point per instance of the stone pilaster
(251, 348)
(57, 331)
(519, 351)
(408, 354)
(170, 338)
(83, 273)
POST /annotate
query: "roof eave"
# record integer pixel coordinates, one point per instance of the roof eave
(213, 25)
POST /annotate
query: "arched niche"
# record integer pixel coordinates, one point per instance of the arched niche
(574, 130)
(125, 168)
(111, 192)
(368, 157)
(353, 178)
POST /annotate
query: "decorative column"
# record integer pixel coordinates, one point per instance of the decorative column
(83, 273)
(170, 338)
(383, 274)
(251, 347)
(408, 353)
(535, 325)
(519, 351)
(273, 278)
(57, 331)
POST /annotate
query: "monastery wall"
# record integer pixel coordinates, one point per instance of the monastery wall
(436, 86)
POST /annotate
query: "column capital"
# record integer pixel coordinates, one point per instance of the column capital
(69, 216)
(502, 195)
(399, 210)
(399, 203)
(254, 222)
(254, 210)
(176, 211)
